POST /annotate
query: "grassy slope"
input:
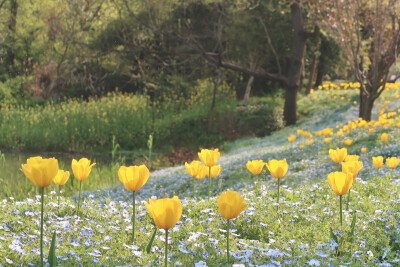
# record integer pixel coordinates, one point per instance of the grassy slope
(298, 233)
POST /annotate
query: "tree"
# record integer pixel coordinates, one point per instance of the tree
(289, 78)
(369, 35)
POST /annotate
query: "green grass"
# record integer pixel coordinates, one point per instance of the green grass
(298, 234)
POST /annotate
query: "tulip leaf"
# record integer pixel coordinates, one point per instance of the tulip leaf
(352, 226)
(333, 236)
(52, 252)
(148, 248)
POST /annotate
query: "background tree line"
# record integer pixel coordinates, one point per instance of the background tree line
(56, 48)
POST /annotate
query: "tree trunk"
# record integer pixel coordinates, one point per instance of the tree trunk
(248, 90)
(318, 80)
(217, 82)
(313, 67)
(296, 57)
(290, 107)
(366, 105)
(12, 23)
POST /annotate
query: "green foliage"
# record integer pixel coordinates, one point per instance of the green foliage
(81, 125)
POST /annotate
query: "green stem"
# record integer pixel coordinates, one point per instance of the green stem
(340, 210)
(209, 183)
(133, 215)
(348, 200)
(166, 247)
(194, 180)
(227, 242)
(279, 185)
(41, 227)
(59, 196)
(79, 198)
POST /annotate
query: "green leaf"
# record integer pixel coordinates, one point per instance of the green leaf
(352, 226)
(52, 252)
(148, 248)
(332, 235)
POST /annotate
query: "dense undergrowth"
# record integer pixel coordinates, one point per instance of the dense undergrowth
(181, 121)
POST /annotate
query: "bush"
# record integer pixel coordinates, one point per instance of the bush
(258, 120)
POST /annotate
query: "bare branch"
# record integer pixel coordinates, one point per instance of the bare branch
(211, 57)
(270, 45)
(2, 3)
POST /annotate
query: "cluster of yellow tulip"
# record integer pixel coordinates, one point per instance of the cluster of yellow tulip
(342, 181)
(277, 169)
(197, 170)
(42, 172)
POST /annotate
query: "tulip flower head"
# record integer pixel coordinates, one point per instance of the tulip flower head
(348, 142)
(291, 138)
(309, 142)
(40, 171)
(255, 166)
(352, 167)
(194, 168)
(81, 168)
(277, 168)
(209, 157)
(61, 177)
(384, 137)
(202, 172)
(392, 162)
(351, 158)
(215, 171)
(377, 161)
(363, 150)
(133, 177)
(371, 130)
(340, 182)
(230, 204)
(165, 212)
(301, 147)
(338, 154)
(327, 140)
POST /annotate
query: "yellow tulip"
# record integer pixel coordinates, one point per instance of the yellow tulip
(301, 147)
(384, 137)
(327, 140)
(363, 150)
(277, 168)
(371, 130)
(215, 171)
(81, 168)
(338, 154)
(348, 142)
(377, 161)
(309, 142)
(165, 212)
(352, 167)
(61, 177)
(202, 172)
(209, 157)
(392, 162)
(255, 166)
(340, 182)
(194, 168)
(300, 132)
(133, 177)
(339, 133)
(351, 158)
(230, 204)
(40, 171)
(291, 138)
